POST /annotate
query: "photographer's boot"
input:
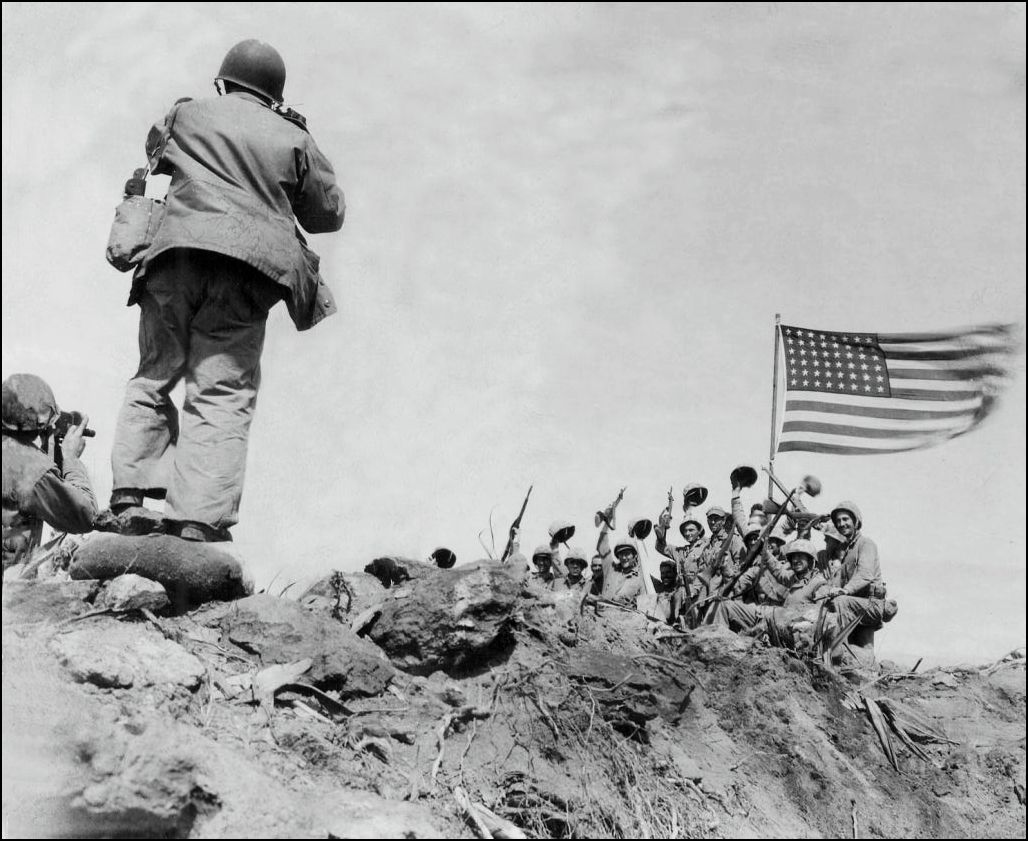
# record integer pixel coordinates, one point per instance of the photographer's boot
(123, 498)
(201, 532)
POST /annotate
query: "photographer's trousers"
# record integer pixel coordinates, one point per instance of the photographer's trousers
(202, 321)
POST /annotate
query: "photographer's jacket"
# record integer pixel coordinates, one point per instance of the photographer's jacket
(240, 172)
(36, 492)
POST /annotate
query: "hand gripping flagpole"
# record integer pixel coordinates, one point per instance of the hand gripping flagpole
(774, 405)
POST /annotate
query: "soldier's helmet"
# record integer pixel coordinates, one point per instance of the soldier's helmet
(851, 509)
(693, 518)
(801, 547)
(752, 531)
(562, 530)
(542, 551)
(576, 557)
(444, 558)
(256, 66)
(625, 545)
(29, 404)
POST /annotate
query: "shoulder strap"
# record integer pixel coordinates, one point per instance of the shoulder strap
(158, 152)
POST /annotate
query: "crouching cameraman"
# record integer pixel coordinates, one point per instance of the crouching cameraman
(38, 489)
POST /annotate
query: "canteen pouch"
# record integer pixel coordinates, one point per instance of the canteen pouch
(136, 221)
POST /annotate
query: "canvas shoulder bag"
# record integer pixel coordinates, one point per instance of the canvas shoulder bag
(137, 218)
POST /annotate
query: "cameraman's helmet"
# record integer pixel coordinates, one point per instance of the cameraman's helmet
(256, 66)
(28, 404)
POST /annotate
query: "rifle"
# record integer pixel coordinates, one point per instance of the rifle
(753, 551)
(670, 503)
(804, 519)
(514, 528)
(607, 516)
(718, 559)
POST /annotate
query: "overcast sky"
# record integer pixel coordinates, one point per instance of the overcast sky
(569, 228)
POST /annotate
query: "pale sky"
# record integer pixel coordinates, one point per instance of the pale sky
(569, 229)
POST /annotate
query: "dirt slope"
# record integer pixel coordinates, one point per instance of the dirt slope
(564, 724)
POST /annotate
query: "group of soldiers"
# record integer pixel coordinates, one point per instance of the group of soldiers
(756, 571)
(753, 571)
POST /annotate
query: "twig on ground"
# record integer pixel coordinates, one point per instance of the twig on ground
(673, 662)
(440, 735)
(481, 830)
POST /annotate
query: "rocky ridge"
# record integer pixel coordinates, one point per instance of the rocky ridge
(467, 703)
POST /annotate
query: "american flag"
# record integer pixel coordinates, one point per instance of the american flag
(870, 393)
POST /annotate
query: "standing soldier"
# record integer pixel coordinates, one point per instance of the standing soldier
(727, 567)
(624, 584)
(542, 559)
(596, 568)
(575, 581)
(687, 557)
(244, 170)
(35, 490)
(829, 559)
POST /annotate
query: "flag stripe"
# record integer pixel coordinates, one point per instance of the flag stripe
(941, 355)
(983, 330)
(840, 449)
(928, 394)
(899, 383)
(957, 374)
(826, 438)
(873, 411)
(853, 431)
(919, 423)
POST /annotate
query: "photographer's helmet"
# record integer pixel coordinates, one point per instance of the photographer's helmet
(29, 404)
(256, 66)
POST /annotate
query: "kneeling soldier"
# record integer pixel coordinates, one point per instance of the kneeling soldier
(858, 589)
(36, 490)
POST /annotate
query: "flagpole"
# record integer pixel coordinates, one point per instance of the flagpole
(774, 405)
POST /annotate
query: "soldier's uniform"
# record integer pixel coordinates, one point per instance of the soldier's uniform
(35, 490)
(687, 557)
(782, 602)
(574, 581)
(622, 584)
(730, 563)
(860, 577)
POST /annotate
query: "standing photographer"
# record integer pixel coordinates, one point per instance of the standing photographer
(36, 490)
(244, 172)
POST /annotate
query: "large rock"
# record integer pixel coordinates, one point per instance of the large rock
(120, 655)
(282, 631)
(344, 594)
(192, 573)
(394, 570)
(132, 592)
(451, 619)
(46, 601)
(361, 814)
